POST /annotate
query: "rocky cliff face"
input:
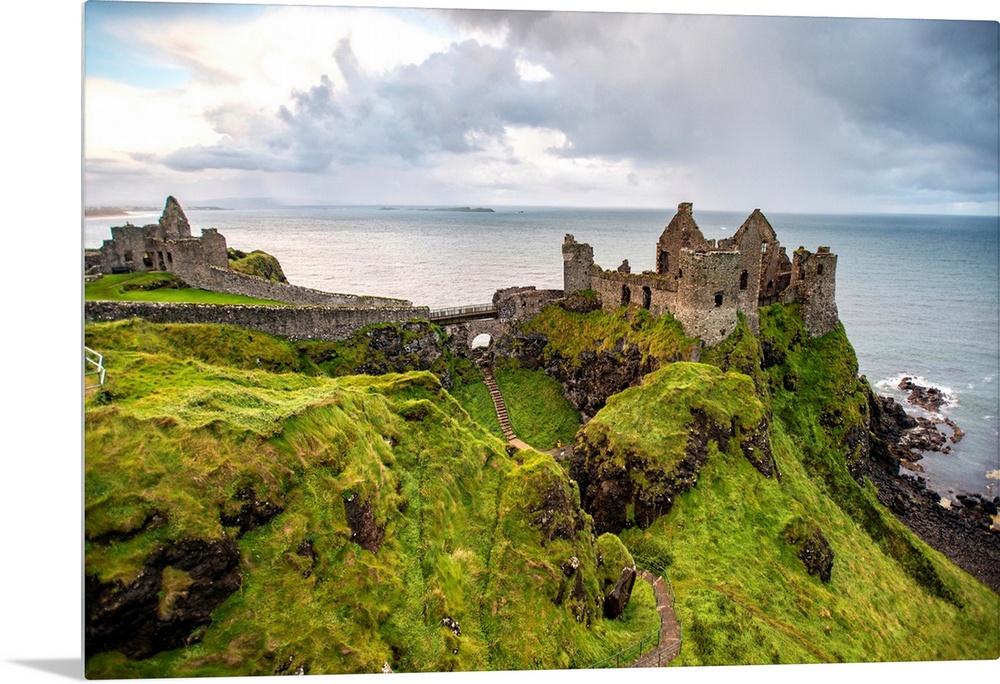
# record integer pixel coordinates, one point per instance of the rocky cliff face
(648, 444)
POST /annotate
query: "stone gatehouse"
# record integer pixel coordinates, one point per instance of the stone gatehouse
(705, 284)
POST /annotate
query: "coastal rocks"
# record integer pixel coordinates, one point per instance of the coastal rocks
(588, 384)
(928, 398)
(965, 531)
(361, 519)
(756, 447)
(164, 607)
(618, 598)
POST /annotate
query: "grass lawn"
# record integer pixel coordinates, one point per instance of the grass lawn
(159, 287)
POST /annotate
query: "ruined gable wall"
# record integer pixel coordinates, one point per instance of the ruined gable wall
(748, 271)
(681, 233)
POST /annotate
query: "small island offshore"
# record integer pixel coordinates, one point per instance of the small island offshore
(674, 467)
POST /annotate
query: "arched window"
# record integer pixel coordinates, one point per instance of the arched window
(647, 297)
(626, 295)
(743, 280)
(718, 299)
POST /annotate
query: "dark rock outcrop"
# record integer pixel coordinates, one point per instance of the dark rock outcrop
(361, 519)
(618, 598)
(148, 615)
(253, 512)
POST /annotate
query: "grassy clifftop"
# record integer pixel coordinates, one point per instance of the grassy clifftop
(793, 563)
(354, 522)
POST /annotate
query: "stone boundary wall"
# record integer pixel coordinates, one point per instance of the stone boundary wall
(233, 282)
(294, 322)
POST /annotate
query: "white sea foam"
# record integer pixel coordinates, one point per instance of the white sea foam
(890, 386)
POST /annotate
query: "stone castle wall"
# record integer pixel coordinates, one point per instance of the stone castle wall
(232, 282)
(294, 322)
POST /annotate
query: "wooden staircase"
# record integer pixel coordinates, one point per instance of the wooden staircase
(499, 404)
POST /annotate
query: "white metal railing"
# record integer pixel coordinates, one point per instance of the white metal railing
(93, 364)
(462, 311)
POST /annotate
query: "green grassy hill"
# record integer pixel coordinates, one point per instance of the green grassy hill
(357, 521)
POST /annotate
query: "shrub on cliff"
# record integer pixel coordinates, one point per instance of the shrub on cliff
(257, 263)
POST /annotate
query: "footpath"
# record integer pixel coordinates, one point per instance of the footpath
(670, 628)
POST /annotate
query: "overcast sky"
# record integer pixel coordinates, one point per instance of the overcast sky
(372, 106)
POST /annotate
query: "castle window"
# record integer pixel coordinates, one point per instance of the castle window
(626, 295)
(664, 265)
(147, 260)
(718, 299)
(763, 247)
(647, 297)
(743, 280)
(819, 269)
(128, 255)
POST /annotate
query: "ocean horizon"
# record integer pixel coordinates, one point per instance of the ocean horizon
(919, 295)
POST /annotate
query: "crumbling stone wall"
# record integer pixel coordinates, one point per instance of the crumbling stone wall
(578, 264)
(517, 304)
(813, 285)
(232, 282)
(295, 322)
(707, 298)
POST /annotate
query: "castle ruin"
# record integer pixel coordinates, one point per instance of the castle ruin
(163, 246)
(706, 284)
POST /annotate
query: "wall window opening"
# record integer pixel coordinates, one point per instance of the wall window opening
(626, 295)
(647, 297)
(718, 299)
(743, 280)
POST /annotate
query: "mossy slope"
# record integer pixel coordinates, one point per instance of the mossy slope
(463, 558)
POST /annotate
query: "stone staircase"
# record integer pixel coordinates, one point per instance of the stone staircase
(499, 404)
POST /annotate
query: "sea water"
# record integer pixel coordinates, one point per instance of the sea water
(918, 295)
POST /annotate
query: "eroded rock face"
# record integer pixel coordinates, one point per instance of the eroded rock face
(361, 519)
(608, 489)
(618, 598)
(148, 615)
(817, 555)
(396, 349)
(756, 447)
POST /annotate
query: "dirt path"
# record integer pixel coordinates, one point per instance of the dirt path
(670, 628)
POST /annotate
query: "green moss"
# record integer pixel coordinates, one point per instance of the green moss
(571, 334)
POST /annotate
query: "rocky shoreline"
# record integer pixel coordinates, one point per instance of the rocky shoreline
(967, 530)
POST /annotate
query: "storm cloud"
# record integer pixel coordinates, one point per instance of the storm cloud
(878, 112)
